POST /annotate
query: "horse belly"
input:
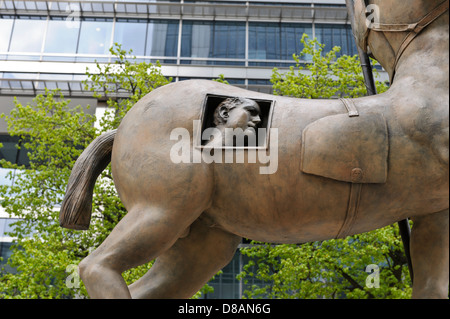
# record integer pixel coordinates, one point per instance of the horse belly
(284, 207)
(290, 206)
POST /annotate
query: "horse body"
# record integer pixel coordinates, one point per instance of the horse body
(287, 206)
(191, 215)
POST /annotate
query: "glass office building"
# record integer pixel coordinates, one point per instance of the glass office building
(49, 44)
(243, 40)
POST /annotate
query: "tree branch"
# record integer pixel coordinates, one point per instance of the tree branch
(352, 281)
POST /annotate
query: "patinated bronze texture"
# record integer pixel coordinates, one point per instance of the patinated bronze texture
(343, 167)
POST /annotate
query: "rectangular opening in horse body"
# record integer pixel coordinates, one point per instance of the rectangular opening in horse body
(211, 103)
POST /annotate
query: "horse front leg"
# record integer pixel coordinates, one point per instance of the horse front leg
(430, 255)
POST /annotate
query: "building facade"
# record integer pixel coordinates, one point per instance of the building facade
(50, 44)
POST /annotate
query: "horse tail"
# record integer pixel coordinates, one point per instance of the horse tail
(76, 208)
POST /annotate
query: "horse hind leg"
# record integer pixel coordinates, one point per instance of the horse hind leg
(188, 265)
(430, 255)
(142, 235)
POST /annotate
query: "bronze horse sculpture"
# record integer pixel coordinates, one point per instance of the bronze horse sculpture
(342, 167)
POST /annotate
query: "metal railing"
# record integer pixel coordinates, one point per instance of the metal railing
(73, 88)
(241, 10)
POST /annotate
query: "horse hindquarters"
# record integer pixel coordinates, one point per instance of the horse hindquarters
(160, 211)
(163, 198)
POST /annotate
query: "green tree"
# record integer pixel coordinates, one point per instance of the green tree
(325, 76)
(332, 268)
(44, 254)
(221, 79)
(54, 134)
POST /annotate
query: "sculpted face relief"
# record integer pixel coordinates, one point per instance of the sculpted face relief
(235, 133)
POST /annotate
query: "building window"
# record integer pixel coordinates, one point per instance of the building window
(6, 24)
(336, 35)
(227, 286)
(62, 36)
(162, 38)
(95, 36)
(275, 41)
(6, 178)
(6, 226)
(11, 152)
(211, 39)
(150, 38)
(130, 33)
(28, 34)
(5, 253)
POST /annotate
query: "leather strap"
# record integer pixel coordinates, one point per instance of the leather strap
(383, 27)
(350, 106)
(352, 210)
(355, 186)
